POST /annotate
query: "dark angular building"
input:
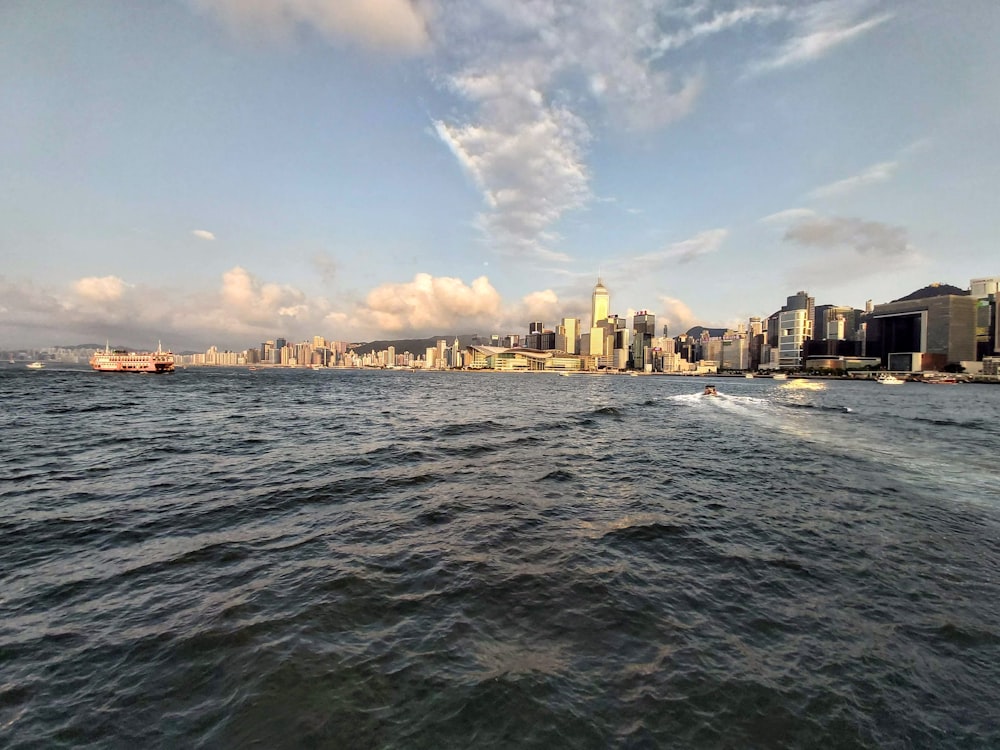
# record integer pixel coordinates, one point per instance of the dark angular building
(928, 330)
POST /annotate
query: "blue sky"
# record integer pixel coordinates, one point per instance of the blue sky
(228, 171)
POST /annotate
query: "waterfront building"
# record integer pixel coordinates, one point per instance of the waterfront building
(568, 336)
(794, 328)
(927, 330)
(643, 331)
(841, 364)
(789, 329)
(987, 318)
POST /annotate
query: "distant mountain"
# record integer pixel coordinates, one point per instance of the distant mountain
(696, 331)
(933, 290)
(415, 346)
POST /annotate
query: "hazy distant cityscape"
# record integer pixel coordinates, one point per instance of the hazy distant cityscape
(936, 328)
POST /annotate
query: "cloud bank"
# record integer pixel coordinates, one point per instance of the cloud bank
(243, 309)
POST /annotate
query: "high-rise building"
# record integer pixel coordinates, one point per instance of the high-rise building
(794, 328)
(982, 288)
(643, 331)
(568, 335)
(600, 304)
(846, 330)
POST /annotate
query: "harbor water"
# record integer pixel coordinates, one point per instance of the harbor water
(381, 559)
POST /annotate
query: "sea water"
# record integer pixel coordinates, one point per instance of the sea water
(290, 558)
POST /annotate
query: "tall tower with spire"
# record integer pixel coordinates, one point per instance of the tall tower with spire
(600, 304)
(593, 342)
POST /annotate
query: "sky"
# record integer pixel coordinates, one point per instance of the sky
(223, 172)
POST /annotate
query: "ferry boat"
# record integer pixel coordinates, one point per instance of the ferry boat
(940, 379)
(122, 360)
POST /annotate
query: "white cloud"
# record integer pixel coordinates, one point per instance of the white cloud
(719, 22)
(399, 25)
(250, 301)
(429, 304)
(788, 216)
(817, 31)
(203, 234)
(881, 172)
(676, 315)
(100, 289)
(687, 250)
(525, 133)
(543, 305)
(530, 171)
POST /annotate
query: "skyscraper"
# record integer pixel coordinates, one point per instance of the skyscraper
(568, 335)
(600, 304)
(643, 329)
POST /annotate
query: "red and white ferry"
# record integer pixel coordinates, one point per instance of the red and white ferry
(122, 360)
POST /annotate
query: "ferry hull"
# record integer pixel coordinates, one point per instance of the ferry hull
(149, 362)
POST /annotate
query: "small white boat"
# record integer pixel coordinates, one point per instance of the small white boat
(35, 366)
(749, 376)
(888, 379)
(780, 376)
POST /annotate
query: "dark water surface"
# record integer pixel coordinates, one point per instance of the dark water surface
(220, 558)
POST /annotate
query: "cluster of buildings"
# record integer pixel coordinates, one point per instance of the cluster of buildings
(934, 329)
(937, 328)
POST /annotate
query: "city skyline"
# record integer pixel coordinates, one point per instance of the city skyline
(208, 172)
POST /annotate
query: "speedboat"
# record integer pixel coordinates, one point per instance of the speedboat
(35, 366)
(888, 379)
